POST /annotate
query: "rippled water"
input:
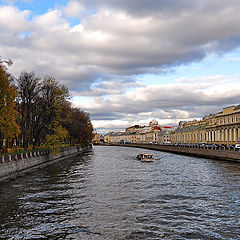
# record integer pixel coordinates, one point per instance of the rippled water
(108, 194)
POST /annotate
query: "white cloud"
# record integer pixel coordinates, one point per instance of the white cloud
(74, 9)
(113, 42)
(52, 20)
(168, 103)
(13, 20)
(237, 59)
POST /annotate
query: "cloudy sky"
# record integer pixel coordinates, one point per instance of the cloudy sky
(129, 61)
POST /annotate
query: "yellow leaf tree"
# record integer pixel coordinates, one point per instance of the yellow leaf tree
(54, 141)
(8, 114)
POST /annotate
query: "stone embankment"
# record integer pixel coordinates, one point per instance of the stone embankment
(219, 154)
(17, 164)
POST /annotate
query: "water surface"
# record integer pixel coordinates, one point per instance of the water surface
(108, 194)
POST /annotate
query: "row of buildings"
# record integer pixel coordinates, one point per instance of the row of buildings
(152, 133)
(220, 128)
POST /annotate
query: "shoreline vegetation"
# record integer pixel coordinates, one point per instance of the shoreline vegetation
(36, 114)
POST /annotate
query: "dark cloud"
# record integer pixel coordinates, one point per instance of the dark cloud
(119, 42)
(102, 56)
(175, 8)
(107, 116)
(142, 7)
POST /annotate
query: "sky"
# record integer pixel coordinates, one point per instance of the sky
(128, 62)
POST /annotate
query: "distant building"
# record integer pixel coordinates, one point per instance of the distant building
(153, 123)
(133, 128)
(106, 138)
(135, 134)
(165, 135)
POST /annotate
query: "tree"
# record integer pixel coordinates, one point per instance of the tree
(54, 140)
(46, 115)
(8, 113)
(41, 104)
(28, 85)
(51, 108)
(80, 128)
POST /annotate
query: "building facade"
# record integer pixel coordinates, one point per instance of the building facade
(224, 128)
(135, 134)
(220, 128)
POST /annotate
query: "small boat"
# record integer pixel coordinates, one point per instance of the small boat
(145, 157)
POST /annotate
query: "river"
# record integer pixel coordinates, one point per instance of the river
(107, 193)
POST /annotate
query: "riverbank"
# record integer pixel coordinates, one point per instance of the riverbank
(14, 165)
(218, 154)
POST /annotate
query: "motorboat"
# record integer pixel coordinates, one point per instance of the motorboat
(145, 157)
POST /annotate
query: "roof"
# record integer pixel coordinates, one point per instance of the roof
(155, 122)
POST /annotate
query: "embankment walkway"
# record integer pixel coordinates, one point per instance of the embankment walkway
(13, 165)
(219, 154)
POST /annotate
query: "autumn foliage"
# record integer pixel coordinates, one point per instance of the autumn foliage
(8, 114)
(36, 112)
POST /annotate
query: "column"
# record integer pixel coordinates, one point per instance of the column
(238, 135)
(234, 135)
(227, 136)
(230, 135)
(217, 135)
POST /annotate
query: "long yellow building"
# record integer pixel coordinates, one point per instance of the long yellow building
(225, 126)
(221, 128)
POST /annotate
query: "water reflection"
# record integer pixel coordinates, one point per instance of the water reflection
(108, 194)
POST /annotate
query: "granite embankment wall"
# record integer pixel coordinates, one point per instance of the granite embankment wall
(14, 165)
(219, 154)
